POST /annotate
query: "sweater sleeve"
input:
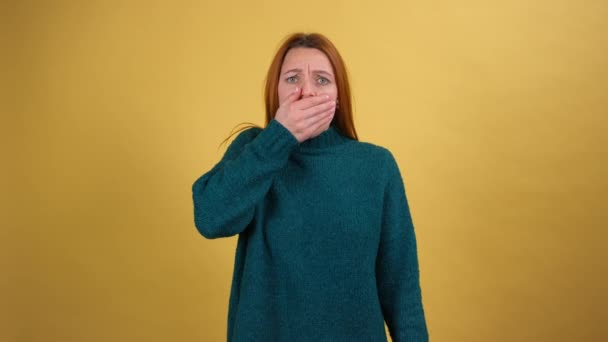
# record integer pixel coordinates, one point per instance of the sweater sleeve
(397, 269)
(225, 196)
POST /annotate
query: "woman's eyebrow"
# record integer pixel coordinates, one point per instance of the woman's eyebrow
(319, 71)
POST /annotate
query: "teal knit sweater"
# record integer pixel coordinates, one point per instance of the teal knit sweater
(326, 247)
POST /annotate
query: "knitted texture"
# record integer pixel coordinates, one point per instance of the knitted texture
(326, 246)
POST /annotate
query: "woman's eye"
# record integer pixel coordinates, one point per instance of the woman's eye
(323, 80)
(291, 79)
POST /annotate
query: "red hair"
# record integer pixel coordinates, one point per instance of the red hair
(343, 118)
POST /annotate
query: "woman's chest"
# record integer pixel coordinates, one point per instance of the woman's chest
(311, 216)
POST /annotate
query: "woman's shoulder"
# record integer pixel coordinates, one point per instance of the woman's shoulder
(377, 154)
(242, 138)
(375, 150)
(246, 135)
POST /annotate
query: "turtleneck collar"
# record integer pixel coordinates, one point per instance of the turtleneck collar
(330, 137)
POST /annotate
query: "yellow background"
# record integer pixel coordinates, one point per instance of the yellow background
(495, 110)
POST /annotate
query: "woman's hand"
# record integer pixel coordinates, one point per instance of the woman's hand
(308, 117)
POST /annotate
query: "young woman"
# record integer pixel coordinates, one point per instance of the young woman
(326, 246)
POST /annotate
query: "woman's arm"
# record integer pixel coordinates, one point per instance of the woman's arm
(225, 197)
(397, 271)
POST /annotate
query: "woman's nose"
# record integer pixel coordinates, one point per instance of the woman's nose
(308, 87)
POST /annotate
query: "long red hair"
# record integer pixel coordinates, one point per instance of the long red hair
(343, 118)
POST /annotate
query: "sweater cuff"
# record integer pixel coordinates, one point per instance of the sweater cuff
(276, 141)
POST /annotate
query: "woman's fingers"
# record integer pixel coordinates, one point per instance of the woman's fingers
(312, 101)
(319, 108)
(320, 118)
(317, 116)
(302, 116)
(293, 97)
(322, 122)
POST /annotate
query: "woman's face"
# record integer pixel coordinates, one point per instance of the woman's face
(308, 69)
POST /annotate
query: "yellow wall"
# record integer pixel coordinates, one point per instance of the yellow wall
(495, 110)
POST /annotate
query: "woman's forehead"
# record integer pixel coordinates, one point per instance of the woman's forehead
(305, 59)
